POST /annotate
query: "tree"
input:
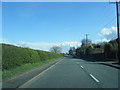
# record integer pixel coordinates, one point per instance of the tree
(115, 47)
(107, 49)
(55, 49)
(86, 46)
(89, 51)
(80, 52)
(72, 51)
(83, 41)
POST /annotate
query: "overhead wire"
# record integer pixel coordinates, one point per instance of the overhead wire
(108, 23)
(105, 16)
(101, 25)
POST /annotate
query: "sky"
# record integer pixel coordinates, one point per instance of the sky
(41, 25)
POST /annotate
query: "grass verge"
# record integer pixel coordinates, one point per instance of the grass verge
(6, 74)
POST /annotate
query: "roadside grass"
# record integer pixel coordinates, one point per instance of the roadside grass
(7, 74)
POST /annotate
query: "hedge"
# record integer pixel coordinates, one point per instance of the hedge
(13, 56)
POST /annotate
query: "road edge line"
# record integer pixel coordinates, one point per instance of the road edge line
(24, 84)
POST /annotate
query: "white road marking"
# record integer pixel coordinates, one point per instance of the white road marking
(82, 67)
(94, 78)
(77, 62)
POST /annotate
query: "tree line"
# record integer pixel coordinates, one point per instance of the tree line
(101, 51)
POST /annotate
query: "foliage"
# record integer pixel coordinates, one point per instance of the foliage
(72, 51)
(13, 56)
(110, 50)
(100, 51)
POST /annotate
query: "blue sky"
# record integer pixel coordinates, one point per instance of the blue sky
(40, 25)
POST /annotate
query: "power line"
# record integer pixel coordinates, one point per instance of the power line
(108, 23)
(105, 15)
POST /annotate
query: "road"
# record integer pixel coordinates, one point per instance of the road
(75, 73)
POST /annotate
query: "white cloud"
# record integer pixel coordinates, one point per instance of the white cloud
(71, 44)
(108, 33)
(101, 40)
(37, 45)
(66, 45)
(46, 46)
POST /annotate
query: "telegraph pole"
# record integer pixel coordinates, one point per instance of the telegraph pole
(86, 39)
(86, 43)
(118, 30)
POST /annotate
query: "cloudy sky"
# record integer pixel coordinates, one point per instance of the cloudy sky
(40, 25)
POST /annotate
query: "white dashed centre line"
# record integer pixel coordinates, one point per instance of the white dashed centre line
(94, 78)
(82, 67)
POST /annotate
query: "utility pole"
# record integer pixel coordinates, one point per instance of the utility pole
(118, 30)
(86, 43)
(86, 39)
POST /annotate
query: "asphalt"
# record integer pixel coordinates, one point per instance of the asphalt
(18, 80)
(76, 73)
(67, 73)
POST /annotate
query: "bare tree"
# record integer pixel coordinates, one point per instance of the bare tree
(55, 49)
